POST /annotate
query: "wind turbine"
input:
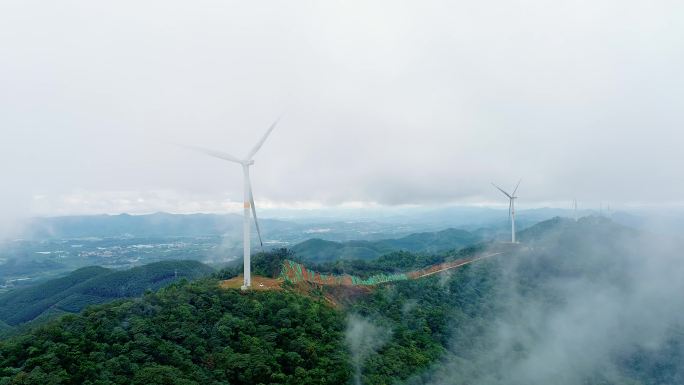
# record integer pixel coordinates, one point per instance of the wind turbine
(248, 198)
(511, 207)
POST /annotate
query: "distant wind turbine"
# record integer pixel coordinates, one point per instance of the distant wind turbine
(248, 197)
(511, 207)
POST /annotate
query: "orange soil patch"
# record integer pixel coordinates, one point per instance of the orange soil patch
(434, 269)
(258, 283)
(337, 290)
(340, 296)
(335, 296)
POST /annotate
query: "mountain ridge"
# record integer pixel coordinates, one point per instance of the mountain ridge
(91, 285)
(321, 250)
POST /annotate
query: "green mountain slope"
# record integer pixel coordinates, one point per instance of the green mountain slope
(91, 285)
(575, 303)
(187, 333)
(4, 327)
(320, 250)
(26, 265)
(433, 242)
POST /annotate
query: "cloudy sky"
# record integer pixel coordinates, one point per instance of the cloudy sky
(384, 102)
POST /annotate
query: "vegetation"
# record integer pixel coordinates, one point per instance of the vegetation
(24, 264)
(392, 263)
(264, 264)
(422, 316)
(319, 250)
(91, 285)
(186, 333)
(446, 328)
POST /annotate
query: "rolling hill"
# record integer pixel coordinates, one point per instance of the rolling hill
(320, 250)
(91, 285)
(574, 303)
(188, 333)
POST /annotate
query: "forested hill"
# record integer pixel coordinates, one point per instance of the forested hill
(575, 303)
(92, 285)
(576, 234)
(319, 250)
(186, 334)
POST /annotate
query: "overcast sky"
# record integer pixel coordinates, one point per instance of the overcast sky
(385, 102)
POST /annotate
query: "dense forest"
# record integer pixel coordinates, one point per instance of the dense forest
(89, 286)
(186, 333)
(575, 303)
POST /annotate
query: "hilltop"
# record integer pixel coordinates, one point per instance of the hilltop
(186, 333)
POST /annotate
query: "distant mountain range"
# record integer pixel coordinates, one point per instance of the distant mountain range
(290, 229)
(151, 225)
(320, 250)
(275, 232)
(91, 285)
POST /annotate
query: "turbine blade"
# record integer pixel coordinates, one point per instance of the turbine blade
(215, 154)
(516, 187)
(256, 221)
(263, 139)
(500, 189)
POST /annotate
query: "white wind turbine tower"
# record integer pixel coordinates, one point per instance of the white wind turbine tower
(248, 198)
(511, 207)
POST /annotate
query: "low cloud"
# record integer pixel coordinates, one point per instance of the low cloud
(584, 320)
(364, 338)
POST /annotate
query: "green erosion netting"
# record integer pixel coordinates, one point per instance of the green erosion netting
(296, 272)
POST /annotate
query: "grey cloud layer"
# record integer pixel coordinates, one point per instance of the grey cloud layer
(389, 102)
